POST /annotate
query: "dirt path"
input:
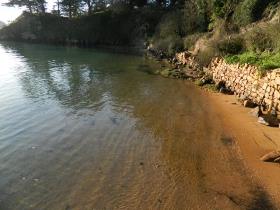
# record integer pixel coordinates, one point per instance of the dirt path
(253, 140)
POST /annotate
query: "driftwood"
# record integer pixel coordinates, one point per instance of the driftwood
(273, 156)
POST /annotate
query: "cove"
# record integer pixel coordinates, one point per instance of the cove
(90, 129)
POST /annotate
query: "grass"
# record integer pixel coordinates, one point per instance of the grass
(265, 60)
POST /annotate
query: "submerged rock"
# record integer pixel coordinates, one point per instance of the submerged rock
(206, 79)
(269, 120)
(174, 73)
(165, 72)
(261, 120)
(273, 156)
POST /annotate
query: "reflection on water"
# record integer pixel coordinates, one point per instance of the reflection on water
(88, 129)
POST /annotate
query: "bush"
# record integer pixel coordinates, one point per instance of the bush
(265, 60)
(189, 41)
(273, 30)
(194, 17)
(169, 25)
(223, 8)
(249, 11)
(244, 12)
(246, 57)
(205, 56)
(169, 45)
(231, 45)
(258, 40)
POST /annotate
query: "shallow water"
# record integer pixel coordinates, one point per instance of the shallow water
(88, 129)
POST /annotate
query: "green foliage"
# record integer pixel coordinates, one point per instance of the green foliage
(219, 8)
(223, 8)
(37, 6)
(263, 60)
(170, 25)
(101, 28)
(70, 7)
(169, 45)
(231, 45)
(205, 56)
(249, 11)
(177, 24)
(194, 17)
(189, 41)
(258, 40)
(244, 12)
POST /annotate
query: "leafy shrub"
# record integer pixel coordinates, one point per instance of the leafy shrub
(169, 25)
(273, 31)
(231, 45)
(194, 17)
(223, 8)
(249, 11)
(258, 40)
(244, 12)
(205, 56)
(189, 41)
(269, 61)
(265, 60)
(169, 45)
(246, 57)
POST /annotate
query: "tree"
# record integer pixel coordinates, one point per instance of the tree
(70, 7)
(38, 6)
(56, 8)
(89, 4)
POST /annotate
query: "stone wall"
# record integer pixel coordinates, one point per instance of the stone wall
(246, 82)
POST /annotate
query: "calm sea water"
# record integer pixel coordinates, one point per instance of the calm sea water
(88, 129)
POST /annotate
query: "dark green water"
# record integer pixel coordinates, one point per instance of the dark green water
(88, 129)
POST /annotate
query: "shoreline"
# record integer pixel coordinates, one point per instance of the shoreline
(252, 139)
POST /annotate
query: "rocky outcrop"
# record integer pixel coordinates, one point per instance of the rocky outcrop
(246, 82)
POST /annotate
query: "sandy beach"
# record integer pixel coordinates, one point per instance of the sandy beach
(253, 140)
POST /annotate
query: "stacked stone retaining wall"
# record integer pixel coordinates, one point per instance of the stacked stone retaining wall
(244, 80)
(247, 82)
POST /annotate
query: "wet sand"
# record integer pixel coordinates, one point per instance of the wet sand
(253, 140)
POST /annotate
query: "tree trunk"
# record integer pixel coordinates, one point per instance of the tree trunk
(58, 7)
